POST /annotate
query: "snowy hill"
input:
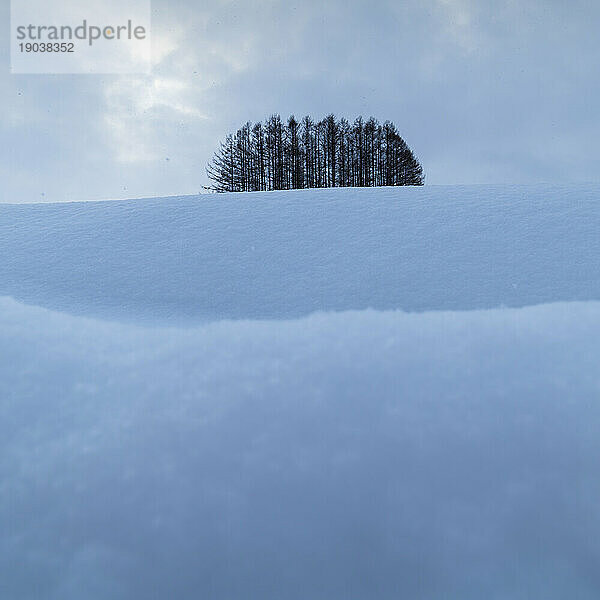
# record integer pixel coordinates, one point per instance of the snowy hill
(287, 254)
(286, 428)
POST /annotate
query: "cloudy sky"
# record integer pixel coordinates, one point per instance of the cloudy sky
(483, 91)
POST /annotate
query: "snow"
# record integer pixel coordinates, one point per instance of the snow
(282, 255)
(229, 397)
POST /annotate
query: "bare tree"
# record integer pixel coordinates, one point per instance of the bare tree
(309, 154)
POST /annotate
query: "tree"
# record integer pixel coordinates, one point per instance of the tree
(308, 154)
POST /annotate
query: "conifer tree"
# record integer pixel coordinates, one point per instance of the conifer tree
(309, 154)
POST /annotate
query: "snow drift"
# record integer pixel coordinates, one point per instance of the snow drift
(334, 455)
(287, 254)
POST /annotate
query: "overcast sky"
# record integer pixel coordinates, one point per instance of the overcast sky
(483, 91)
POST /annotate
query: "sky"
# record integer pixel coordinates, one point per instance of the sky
(482, 91)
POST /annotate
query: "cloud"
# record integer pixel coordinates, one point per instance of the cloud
(482, 92)
(139, 111)
(457, 19)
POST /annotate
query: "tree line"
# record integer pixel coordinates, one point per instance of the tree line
(313, 154)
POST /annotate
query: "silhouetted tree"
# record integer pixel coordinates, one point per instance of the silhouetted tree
(309, 154)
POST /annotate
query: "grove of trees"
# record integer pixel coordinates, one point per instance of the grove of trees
(313, 154)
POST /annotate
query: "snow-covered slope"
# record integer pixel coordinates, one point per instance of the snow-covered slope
(338, 454)
(287, 254)
(349, 456)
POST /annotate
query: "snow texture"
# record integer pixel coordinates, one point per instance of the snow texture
(281, 255)
(249, 447)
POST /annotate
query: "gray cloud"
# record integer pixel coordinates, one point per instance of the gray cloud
(482, 92)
